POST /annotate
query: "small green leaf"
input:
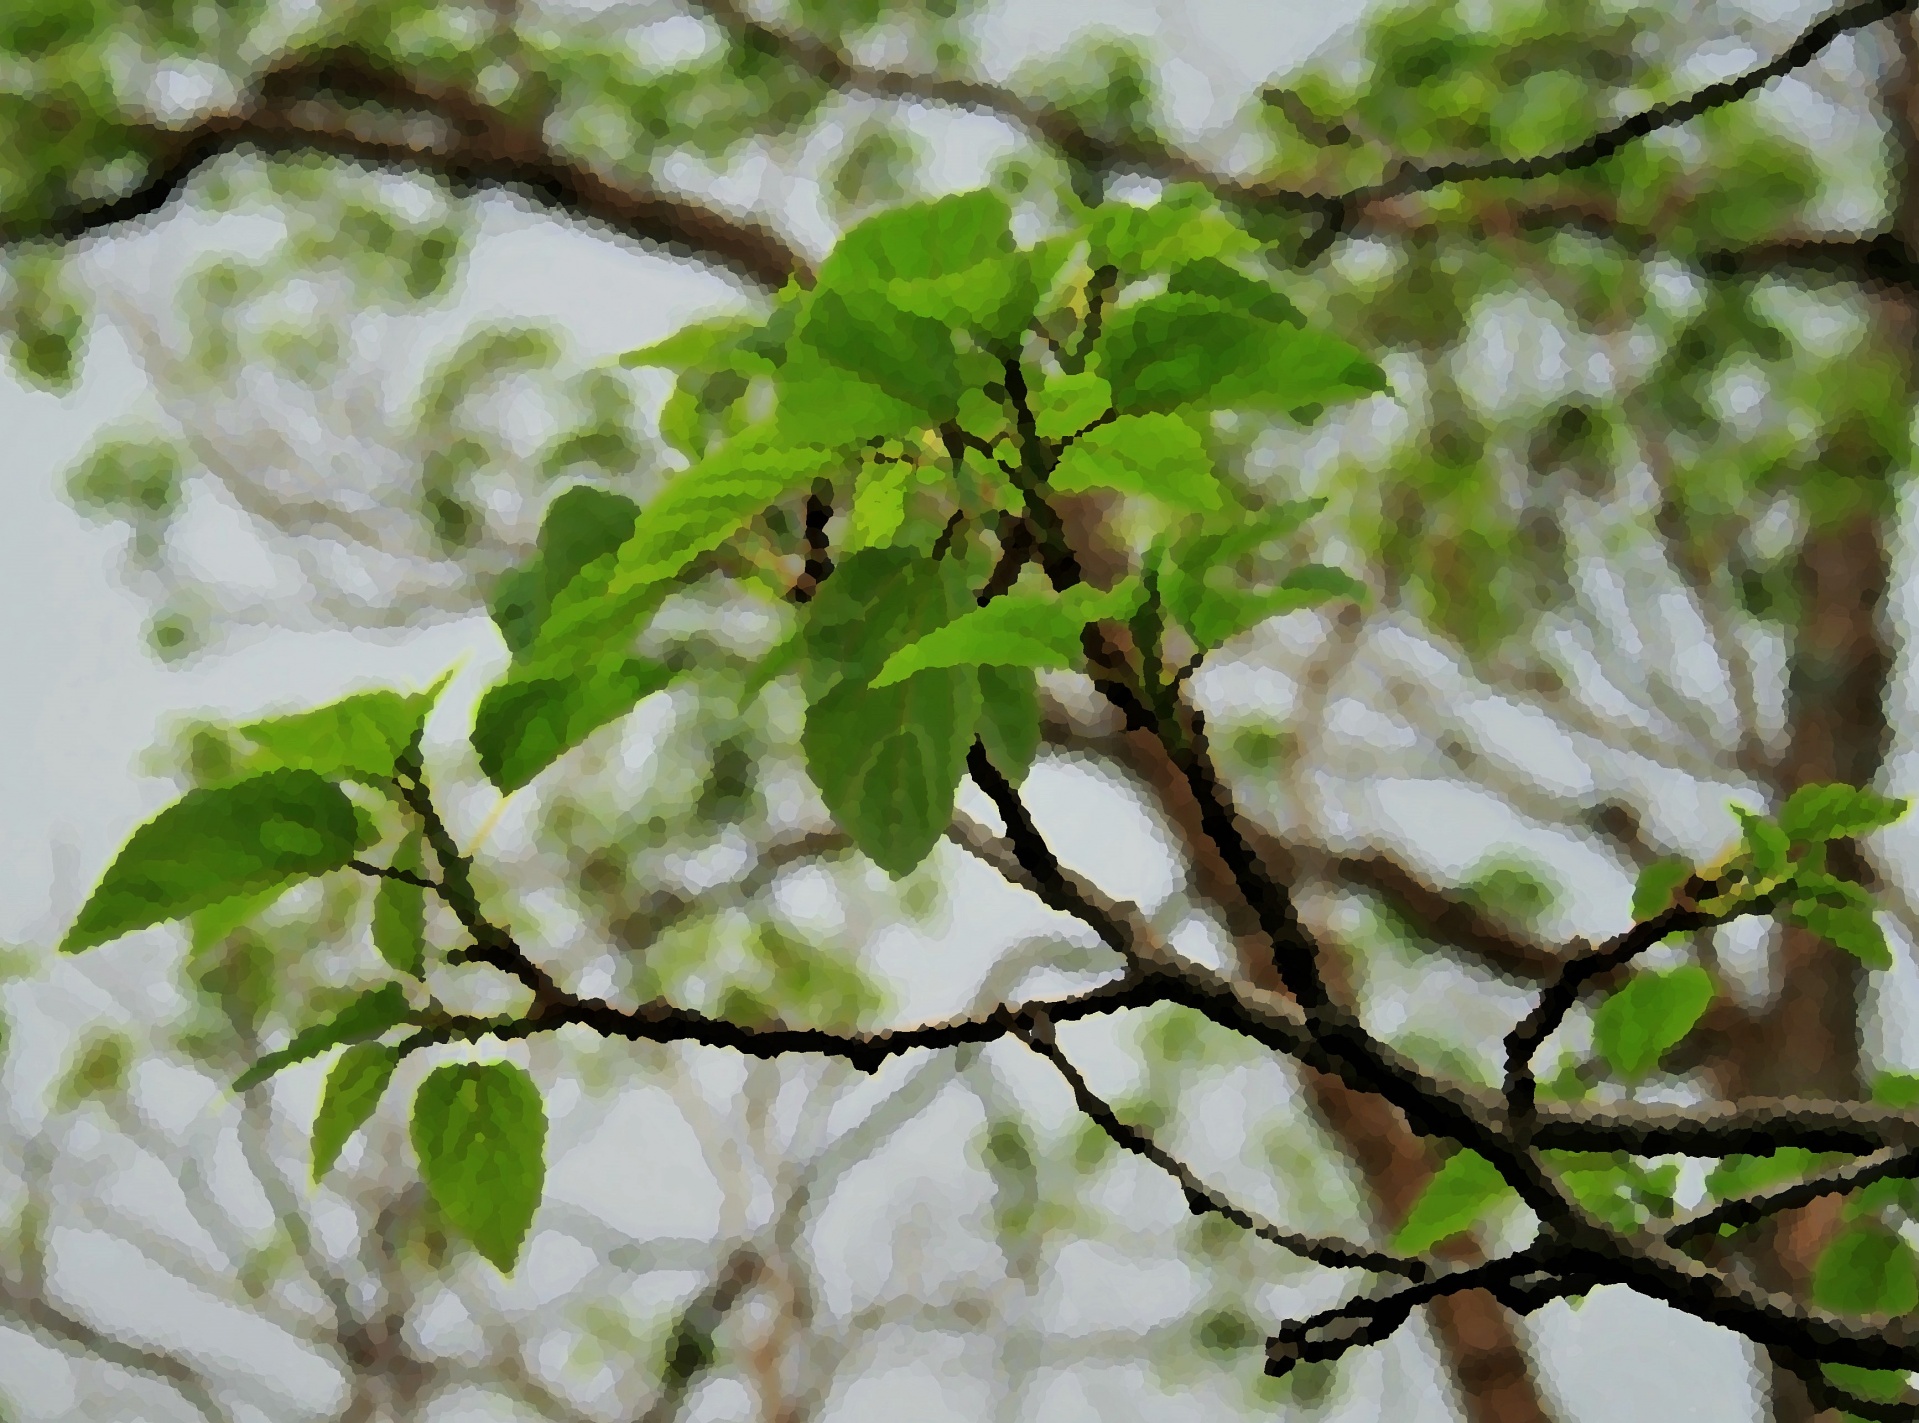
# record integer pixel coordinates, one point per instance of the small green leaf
(1896, 1089)
(1067, 404)
(1223, 613)
(910, 358)
(479, 1130)
(1015, 630)
(527, 722)
(219, 843)
(582, 525)
(1009, 720)
(356, 738)
(1185, 224)
(1652, 893)
(1169, 351)
(887, 760)
(1460, 1192)
(1635, 1026)
(1880, 1385)
(692, 345)
(353, 1089)
(1867, 1269)
(374, 1012)
(399, 913)
(604, 605)
(1157, 455)
(1231, 287)
(920, 240)
(1765, 842)
(1835, 812)
(1852, 928)
(1745, 1175)
(995, 298)
(879, 503)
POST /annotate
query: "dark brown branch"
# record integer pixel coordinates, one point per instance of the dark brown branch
(1201, 1198)
(1753, 1127)
(346, 104)
(819, 559)
(388, 872)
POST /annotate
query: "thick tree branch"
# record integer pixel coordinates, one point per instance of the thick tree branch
(348, 105)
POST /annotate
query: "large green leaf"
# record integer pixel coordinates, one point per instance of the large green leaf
(581, 526)
(1867, 1269)
(1231, 287)
(353, 1089)
(694, 344)
(479, 1130)
(1015, 630)
(1009, 719)
(1156, 455)
(1635, 1026)
(1176, 350)
(1184, 225)
(374, 1012)
(604, 605)
(823, 405)
(995, 298)
(887, 760)
(527, 722)
(1460, 1192)
(920, 240)
(399, 913)
(218, 843)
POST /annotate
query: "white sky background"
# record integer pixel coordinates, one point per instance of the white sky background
(85, 700)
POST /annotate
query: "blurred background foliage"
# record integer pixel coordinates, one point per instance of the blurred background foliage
(1630, 515)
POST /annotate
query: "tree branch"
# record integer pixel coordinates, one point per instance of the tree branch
(344, 103)
(1201, 1198)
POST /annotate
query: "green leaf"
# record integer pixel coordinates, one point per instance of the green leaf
(218, 843)
(1460, 1192)
(1835, 812)
(1896, 1089)
(1233, 288)
(399, 913)
(604, 605)
(1867, 1269)
(920, 240)
(356, 738)
(1009, 720)
(1183, 225)
(879, 503)
(1170, 351)
(216, 921)
(1853, 928)
(581, 526)
(1765, 843)
(1652, 893)
(1881, 1385)
(1221, 614)
(887, 760)
(1635, 1026)
(1157, 455)
(353, 1089)
(995, 298)
(693, 345)
(1745, 1175)
(910, 358)
(479, 1130)
(1015, 630)
(528, 721)
(1067, 404)
(374, 1012)
(822, 405)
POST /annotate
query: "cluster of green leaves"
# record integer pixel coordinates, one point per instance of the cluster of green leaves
(885, 385)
